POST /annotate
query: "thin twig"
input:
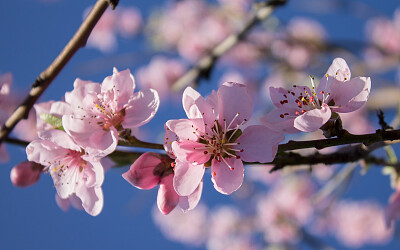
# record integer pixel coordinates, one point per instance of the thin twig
(205, 64)
(46, 77)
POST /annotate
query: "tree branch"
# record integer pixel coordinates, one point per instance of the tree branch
(205, 64)
(46, 77)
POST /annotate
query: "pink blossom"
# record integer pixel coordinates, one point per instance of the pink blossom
(25, 174)
(359, 223)
(385, 33)
(305, 109)
(129, 21)
(101, 111)
(213, 136)
(124, 21)
(160, 74)
(188, 228)
(150, 170)
(72, 169)
(285, 208)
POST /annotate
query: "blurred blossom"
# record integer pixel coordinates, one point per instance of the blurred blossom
(228, 230)
(359, 223)
(306, 30)
(160, 74)
(300, 42)
(385, 33)
(285, 209)
(25, 174)
(357, 122)
(26, 129)
(5, 84)
(189, 228)
(121, 21)
(237, 6)
(392, 211)
(260, 173)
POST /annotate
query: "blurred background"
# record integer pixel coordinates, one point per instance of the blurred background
(300, 207)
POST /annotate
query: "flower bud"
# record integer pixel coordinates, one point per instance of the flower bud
(25, 174)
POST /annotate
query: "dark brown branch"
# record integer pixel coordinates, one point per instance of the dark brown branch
(46, 77)
(205, 64)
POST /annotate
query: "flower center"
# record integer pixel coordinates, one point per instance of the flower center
(302, 99)
(107, 115)
(219, 141)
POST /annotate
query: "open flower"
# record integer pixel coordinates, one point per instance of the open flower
(72, 169)
(305, 109)
(150, 170)
(100, 112)
(213, 137)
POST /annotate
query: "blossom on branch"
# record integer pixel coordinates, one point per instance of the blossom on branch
(73, 170)
(305, 109)
(213, 136)
(150, 170)
(101, 111)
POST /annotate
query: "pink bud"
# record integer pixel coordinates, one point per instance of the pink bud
(25, 174)
(141, 173)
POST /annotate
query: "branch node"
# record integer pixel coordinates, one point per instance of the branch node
(113, 3)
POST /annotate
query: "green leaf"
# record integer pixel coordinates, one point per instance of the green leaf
(54, 121)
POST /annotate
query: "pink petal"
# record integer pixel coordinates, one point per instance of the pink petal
(351, 95)
(189, 202)
(63, 204)
(339, 69)
(187, 177)
(235, 104)
(141, 108)
(273, 120)
(196, 106)
(312, 120)
(3, 153)
(141, 172)
(392, 211)
(227, 179)
(122, 84)
(190, 151)
(167, 198)
(259, 144)
(41, 151)
(92, 199)
(81, 89)
(94, 139)
(59, 138)
(185, 129)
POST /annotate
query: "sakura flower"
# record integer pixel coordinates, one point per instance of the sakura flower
(213, 136)
(305, 109)
(72, 169)
(101, 111)
(151, 169)
(160, 74)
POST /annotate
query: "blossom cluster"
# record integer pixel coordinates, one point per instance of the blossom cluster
(74, 136)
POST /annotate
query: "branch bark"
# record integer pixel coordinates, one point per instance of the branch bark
(46, 77)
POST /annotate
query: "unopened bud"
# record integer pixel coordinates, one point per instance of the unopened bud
(25, 174)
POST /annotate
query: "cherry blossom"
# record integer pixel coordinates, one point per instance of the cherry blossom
(101, 111)
(72, 169)
(160, 74)
(150, 170)
(305, 109)
(213, 137)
